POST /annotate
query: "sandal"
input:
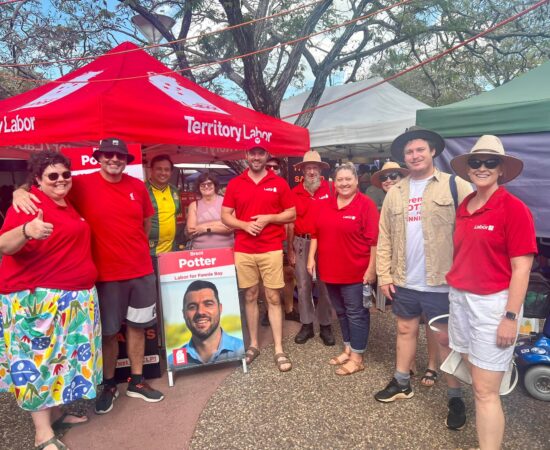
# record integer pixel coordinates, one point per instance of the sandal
(52, 441)
(344, 371)
(429, 379)
(61, 425)
(339, 360)
(251, 354)
(282, 359)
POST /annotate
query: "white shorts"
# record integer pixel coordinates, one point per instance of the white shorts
(473, 324)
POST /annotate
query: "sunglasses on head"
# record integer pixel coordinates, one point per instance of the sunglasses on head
(111, 155)
(391, 176)
(490, 163)
(275, 167)
(53, 176)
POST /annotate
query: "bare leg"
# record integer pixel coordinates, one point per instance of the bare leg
(252, 313)
(489, 415)
(43, 427)
(135, 347)
(275, 312)
(110, 355)
(407, 331)
(433, 348)
(442, 339)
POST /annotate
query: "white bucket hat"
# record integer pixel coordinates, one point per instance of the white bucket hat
(489, 145)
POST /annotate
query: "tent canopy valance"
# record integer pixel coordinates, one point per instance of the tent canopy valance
(134, 97)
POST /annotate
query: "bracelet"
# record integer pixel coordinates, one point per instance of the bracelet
(27, 237)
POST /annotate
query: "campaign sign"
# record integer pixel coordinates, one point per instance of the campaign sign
(200, 307)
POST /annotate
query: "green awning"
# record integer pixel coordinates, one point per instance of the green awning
(519, 106)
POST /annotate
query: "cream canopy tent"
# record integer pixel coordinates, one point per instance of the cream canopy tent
(360, 126)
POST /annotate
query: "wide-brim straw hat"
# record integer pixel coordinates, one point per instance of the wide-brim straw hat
(489, 145)
(398, 144)
(312, 157)
(388, 167)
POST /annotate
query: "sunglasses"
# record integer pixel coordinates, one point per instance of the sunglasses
(490, 163)
(111, 155)
(273, 167)
(390, 176)
(53, 176)
(206, 184)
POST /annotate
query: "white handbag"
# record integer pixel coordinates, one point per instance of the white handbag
(455, 365)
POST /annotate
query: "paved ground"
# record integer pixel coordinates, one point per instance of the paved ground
(307, 408)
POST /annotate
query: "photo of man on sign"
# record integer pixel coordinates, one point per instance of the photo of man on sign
(209, 343)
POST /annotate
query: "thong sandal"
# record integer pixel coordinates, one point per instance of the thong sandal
(61, 425)
(280, 360)
(338, 360)
(52, 441)
(429, 375)
(251, 354)
(344, 371)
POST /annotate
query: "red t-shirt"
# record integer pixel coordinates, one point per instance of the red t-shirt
(62, 261)
(115, 212)
(271, 195)
(485, 241)
(344, 238)
(307, 206)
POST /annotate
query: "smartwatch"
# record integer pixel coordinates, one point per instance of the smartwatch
(510, 315)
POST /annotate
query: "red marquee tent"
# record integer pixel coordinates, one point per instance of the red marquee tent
(134, 97)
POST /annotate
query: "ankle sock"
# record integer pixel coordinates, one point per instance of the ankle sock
(403, 379)
(109, 382)
(454, 392)
(136, 379)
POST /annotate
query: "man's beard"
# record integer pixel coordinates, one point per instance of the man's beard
(312, 185)
(203, 334)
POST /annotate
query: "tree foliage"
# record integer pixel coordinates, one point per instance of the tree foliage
(384, 43)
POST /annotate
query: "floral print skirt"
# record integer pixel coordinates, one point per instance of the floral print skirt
(50, 346)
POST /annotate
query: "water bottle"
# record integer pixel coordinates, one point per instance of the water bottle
(367, 296)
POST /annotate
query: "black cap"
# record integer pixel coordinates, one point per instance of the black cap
(113, 145)
(398, 144)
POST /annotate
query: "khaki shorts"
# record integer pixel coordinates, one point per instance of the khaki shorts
(255, 267)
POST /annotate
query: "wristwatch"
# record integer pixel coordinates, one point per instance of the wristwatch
(209, 230)
(510, 315)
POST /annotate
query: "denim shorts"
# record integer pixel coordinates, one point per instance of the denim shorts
(409, 303)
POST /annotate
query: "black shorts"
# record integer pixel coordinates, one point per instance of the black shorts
(409, 303)
(131, 300)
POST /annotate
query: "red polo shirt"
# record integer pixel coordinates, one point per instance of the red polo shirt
(485, 241)
(115, 212)
(271, 195)
(307, 206)
(62, 261)
(345, 237)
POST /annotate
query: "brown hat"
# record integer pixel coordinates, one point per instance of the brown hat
(312, 157)
(489, 145)
(398, 144)
(113, 145)
(388, 167)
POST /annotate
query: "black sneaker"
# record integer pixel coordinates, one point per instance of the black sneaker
(456, 418)
(394, 391)
(104, 403)
(144, 391)
(305, 333)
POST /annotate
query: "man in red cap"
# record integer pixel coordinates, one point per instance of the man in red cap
(310, 194)
(118, 209)
(257, 204)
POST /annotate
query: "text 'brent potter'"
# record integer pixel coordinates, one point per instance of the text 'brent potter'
(216, 128)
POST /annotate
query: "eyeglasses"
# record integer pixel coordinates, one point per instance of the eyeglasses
(392, 176)
(111, 155)
(53, 176)
(206, 184)
(490, 163)
(273, 167)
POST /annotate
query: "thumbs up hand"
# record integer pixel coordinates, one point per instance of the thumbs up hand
(37, 228)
